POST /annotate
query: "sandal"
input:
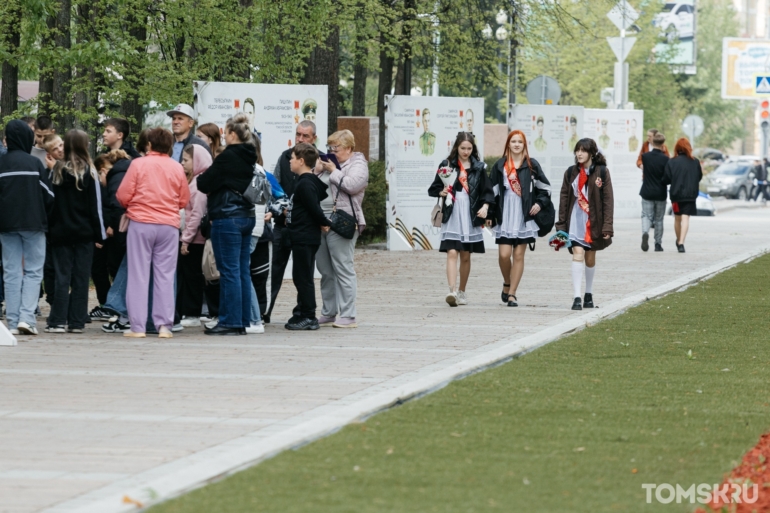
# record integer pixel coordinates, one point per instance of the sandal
(504, 294)
(514, 302)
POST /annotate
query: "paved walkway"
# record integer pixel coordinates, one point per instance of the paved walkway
(87, 418)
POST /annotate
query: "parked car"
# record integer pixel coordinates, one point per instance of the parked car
(733, 179)
(676, 20)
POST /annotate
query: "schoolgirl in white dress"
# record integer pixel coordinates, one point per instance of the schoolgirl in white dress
(463, 217)
(521, 191)
(586, 210)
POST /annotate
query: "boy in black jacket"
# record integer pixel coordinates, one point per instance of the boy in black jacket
(305, 221)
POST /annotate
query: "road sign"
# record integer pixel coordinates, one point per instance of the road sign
(543, 90)
(693, 126)
(623, 15)
(762, 85)
(621, 46)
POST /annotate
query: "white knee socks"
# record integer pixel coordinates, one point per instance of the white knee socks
(590, 271)
(577, 277)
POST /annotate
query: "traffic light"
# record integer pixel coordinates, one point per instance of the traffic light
(764, 114)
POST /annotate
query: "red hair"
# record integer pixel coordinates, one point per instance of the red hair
(507, 153)
(683, 148)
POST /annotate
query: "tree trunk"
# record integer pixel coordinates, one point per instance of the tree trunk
(384, 87)
(62, 74)
(9, 97)
(45, 84)
(359, 89)
(411, 6)
(132, 78)
(399, 85)
(323, 68)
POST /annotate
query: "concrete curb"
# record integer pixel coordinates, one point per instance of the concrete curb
(207, 466)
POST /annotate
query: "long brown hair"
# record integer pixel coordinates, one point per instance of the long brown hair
(683, 148)
(507, 153)
(211, 131)
(77, 160)
(461, 138)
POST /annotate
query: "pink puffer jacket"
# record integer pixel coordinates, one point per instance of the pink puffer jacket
(355, 171)
(196, 208)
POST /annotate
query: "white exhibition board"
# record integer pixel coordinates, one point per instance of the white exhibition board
(553, 130)
(275, 111)
(419, 134)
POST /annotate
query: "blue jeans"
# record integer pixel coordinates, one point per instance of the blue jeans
(23, 259)
(231, 241)
(256, 315)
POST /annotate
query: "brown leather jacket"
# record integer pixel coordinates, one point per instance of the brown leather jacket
(601, 205)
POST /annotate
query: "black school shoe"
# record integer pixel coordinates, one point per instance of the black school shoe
(222, 331)
(576, 304)
(588, 301)
(302, 324)
(680, 248)
(514, 302)
(645, 241)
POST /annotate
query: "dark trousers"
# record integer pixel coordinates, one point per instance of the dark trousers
(761, 190)
(303, 266)
(72, 265)
(260, 271)
(211, 290)
(49, 275)
(190, 282)
(100, 274)
(281, 257)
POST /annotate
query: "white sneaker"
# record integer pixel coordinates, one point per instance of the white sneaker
(26, 329)
(14, 331)
(255, 329)
(212, 324)
(451, 298)
(176, 328)
(190, 322)
(461, 299)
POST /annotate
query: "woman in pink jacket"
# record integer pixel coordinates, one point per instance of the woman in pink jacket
(335, 255)
(152, 192)
(190, 281)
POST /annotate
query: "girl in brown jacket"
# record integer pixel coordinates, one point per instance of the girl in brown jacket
(586, 211)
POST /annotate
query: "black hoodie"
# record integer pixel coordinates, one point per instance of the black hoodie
(305, 217)
(77, 214)
(26, 196)
(223, 182)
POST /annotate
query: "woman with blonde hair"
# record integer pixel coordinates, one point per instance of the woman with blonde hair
(521, 191)
(75, 225)
(335, 255)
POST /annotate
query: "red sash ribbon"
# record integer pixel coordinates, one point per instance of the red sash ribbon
(463, 177)
(513, 176)
(583, 202)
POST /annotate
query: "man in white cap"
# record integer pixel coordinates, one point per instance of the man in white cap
(182, 125)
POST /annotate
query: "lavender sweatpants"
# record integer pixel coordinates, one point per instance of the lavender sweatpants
(153, 246)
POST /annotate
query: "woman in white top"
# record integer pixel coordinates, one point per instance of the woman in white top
(586, 210)
(466, 202)
(521, 191)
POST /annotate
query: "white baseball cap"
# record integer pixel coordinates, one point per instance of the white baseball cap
(182, 108)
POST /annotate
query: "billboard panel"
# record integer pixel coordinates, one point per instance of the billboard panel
(676, 23)
(420, 132)
(742, 61)
(274, 110)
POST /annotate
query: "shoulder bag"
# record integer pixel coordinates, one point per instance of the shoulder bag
(209, 263)
(436, 215)
(343, 223)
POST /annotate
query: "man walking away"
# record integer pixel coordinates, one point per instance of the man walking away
(306, 133)
(653, 192)
(26, 200)
(760, 174)
(182, 126)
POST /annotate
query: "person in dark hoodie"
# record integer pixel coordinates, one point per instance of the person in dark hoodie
(305, 222)
(683, 173)
(76, 224)
(232, 221)
(26, 200)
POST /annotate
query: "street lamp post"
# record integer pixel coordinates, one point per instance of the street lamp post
(501, 34)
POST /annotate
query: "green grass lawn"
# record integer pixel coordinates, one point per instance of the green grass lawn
(576, 426)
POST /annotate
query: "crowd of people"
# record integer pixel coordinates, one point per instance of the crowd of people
(185, 227)
(513, 199)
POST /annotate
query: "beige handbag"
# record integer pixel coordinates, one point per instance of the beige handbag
(209, 263)
(436, 215)
(124, 222)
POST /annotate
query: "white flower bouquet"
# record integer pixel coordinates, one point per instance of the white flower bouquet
(448, 177)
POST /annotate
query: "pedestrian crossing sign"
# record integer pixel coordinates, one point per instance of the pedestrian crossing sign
(762, 85)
